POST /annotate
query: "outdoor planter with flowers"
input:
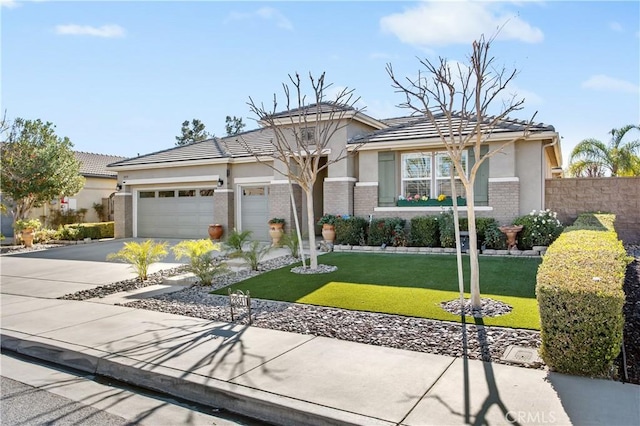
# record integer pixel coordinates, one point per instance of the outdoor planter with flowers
(276, 230)
(328, 221)
(424, 201)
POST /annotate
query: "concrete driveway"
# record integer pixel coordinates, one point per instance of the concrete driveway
(55, 272)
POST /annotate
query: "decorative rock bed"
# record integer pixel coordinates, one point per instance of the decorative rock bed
(395, 331)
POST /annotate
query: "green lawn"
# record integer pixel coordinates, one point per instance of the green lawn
(412, 285)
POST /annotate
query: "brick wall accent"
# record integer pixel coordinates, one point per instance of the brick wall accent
(618, 195)
(504, 197)
(338, 197)
(280, 203)
(223, 209)
(123, 215)
(365, 199)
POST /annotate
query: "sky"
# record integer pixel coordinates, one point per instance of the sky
(119, 77)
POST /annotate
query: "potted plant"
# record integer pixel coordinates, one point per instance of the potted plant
(276, 230)
(215, 231)
(328, 222)
(26, 228)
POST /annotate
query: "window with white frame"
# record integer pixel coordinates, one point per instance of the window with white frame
(419, 178)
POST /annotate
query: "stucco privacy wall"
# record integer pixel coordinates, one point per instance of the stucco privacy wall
(619, 195)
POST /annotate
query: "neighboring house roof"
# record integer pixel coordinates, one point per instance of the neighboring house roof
(413, 128)
(95, 165)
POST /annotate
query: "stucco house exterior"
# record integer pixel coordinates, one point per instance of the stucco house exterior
(100, 185)
(178, 192)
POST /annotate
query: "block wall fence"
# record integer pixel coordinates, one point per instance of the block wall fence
(618, 195)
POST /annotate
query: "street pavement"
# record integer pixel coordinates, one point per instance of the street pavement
(280, 377)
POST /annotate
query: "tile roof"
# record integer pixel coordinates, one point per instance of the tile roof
(412, 128)
(259, 141)
(95, 165)
(325, 107)
(202, 150)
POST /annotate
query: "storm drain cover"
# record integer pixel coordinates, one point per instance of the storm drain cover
(521, 355)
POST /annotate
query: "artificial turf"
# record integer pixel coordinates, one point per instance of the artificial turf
(405, 284)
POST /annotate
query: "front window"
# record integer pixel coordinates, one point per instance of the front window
(418, 178)
(416, 174)
(444, 165)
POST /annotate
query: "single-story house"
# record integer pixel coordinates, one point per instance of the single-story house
(178, 192)
(100, 185)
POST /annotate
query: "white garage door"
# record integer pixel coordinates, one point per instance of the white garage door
(175, 213)
(255, 211)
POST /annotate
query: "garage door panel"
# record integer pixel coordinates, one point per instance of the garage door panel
(174, 217)
(255, 210)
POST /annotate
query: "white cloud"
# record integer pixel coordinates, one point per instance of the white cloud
(265, 13)
(604, 82)
(107, 31)
(9, 4)
(270, 13)
(513, 92)
(616, 26)
(461, 22)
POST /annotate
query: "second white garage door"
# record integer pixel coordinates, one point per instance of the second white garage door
(255, 210)
(174, 213)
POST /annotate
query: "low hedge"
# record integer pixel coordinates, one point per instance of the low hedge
(580, 298)
(425, 231)
(351, 230)
(95, 231)
(447, 229)
(382, 231)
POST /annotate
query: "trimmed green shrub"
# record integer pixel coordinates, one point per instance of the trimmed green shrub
(95, 231)
(381, 231)
(425, 231)
(447, 229)
(489, 234)
(540, 228)
(494, 238)
(580, 297)
(45, 235)
(399, 236)
(351, 230)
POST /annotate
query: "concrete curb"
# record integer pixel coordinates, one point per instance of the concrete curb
(266, 406)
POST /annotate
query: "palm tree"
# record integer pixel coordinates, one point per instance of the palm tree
(592, 158)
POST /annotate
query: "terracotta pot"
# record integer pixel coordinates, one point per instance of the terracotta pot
(276, 231)
(328, 233)
(27, 237)
(216, 231)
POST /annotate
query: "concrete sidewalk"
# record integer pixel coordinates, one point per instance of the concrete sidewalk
(295, 379)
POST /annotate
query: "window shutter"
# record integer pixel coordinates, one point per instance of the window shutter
(387, 179)
(481, 186)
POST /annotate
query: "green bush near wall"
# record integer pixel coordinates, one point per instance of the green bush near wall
(351, 230)
(425, 231)
(580, 298)
(381, 231)
(95, 231)
(447, 229)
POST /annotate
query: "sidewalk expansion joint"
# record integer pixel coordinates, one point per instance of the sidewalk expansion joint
(231, 379)
(427, 391)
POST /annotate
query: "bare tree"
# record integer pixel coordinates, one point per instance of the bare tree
(302, 136)
(457, 104)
